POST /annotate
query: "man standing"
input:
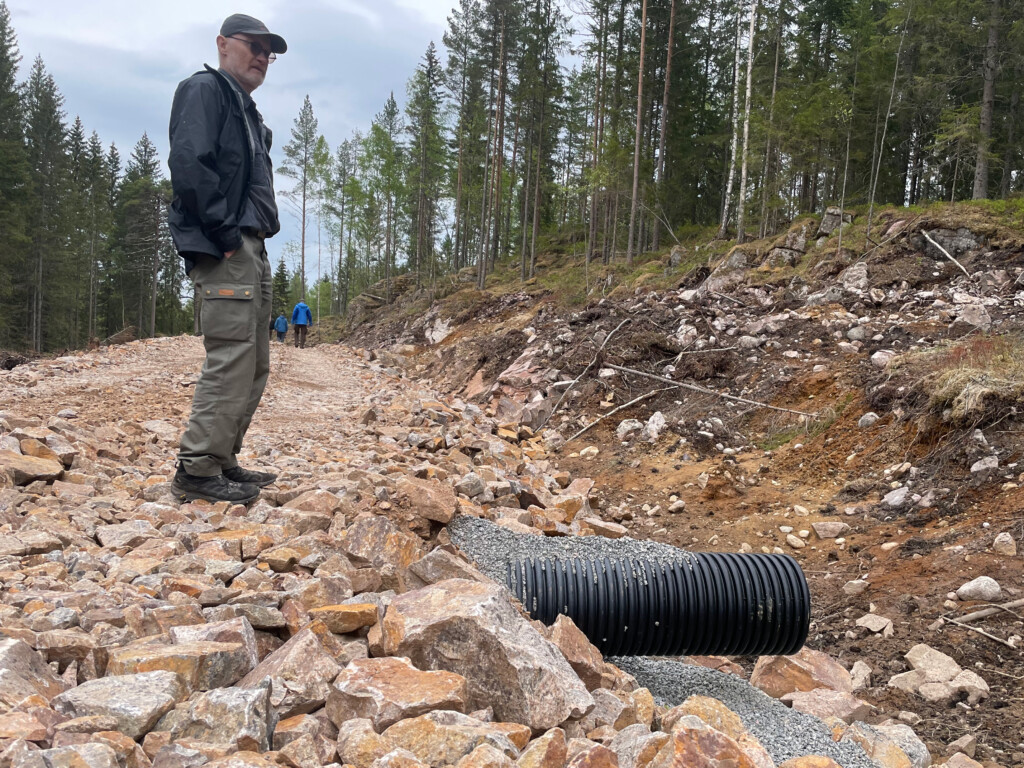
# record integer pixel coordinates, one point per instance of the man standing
(223, 211)
(302, 318)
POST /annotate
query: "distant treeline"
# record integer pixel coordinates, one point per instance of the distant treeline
(612, 124)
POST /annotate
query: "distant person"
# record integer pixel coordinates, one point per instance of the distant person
(222, 211)
(281, 326)
(302, 318)
(271, 336)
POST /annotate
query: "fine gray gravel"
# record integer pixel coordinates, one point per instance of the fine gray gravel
(784, 732)
(493, 547)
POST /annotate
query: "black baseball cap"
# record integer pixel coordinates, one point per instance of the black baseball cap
(247, 25)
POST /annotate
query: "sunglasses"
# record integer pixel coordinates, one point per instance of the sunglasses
(256, 48)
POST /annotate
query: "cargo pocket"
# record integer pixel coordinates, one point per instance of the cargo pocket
(226, 312)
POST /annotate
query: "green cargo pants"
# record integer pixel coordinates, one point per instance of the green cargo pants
(234, 316)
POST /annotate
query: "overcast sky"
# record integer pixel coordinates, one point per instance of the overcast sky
(117, 62)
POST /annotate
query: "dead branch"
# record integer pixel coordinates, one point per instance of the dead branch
(945, 253)
(705, 351)
(706, 391)
(620, 408)
(888, 239)
(991, 611)
(591, 365)
(982, 632)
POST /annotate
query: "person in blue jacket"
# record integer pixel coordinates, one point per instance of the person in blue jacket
(281, 326)
(302, 318)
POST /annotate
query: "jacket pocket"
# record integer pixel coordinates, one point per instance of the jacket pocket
(227, 311)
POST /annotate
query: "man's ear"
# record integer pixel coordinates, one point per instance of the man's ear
(222, 45)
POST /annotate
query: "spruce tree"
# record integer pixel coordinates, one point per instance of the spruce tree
(298, 165)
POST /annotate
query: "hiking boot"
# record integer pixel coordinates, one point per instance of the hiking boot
(188, 487)
(251, 476)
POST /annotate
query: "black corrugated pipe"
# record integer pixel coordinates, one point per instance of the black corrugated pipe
(708, 603)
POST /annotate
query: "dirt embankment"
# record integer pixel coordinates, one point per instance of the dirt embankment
(894, 382)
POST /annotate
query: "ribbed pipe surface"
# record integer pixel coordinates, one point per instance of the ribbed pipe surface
(713, 603)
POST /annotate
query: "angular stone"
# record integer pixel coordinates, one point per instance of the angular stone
(237, 630)
(903, 736)
(830, 530)
(972, 684)
(458, 625)
(23, 672)
(80, 756)
(131, 534)
(936, 666)
(717, 715)
(317, 728)
(810, 761)
(390, 689)
(960, 760)
(398, 758)
(824, 703)
(244, 759)
(877, 745)
(359, 744)
(301, 671)
(1005, 545)
(805, 671)
(592, 756)
(583, 656)
(380, 542)
(696, 744)
(635, 746)
(443, 738)
(486, 756)
(136, 702)
(342, 619)
(439, 565)
(28, 469)
(430, 499)
(547, 751)
(21, 725)
(231, 718)
(202, 666)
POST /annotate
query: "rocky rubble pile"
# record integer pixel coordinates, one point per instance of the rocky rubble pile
(331, 622)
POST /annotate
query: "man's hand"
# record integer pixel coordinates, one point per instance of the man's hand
(229, 254)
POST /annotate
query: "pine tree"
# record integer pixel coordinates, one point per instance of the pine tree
(282, 299)
(298, 165)
(45, 138)
(14, 190)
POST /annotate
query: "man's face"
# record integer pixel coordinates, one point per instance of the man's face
(238, 60)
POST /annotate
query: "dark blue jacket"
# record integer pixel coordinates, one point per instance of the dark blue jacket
(301, 314)
(281, 325)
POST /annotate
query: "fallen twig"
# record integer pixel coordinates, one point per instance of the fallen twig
(705, 351)
(620, 408)
(982, 632)
(730, 298)
(591, 365)
(888, 239)
(945, 253)
(991, 611)
(706, 391)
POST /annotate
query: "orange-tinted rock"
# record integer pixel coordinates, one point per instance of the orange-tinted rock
(718, 716)
(636, 746)
(443, 738)
(389, 689)
(518, 734)
(807, 670)
(428, 498)
(810, 761)
(597, 756)
(203, 666)
(342, 619)
(824, 702)
(720, 663)
(547, 751)
(20, 725)
(584, 658)
(486, 756)
(694, 744)
(27, 469)
(875, 744)
(359, 745)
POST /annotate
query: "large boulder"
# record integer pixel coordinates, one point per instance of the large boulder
(135, 702)
(201, 665)
(391, 689)
(696, 744)
(457, 625)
